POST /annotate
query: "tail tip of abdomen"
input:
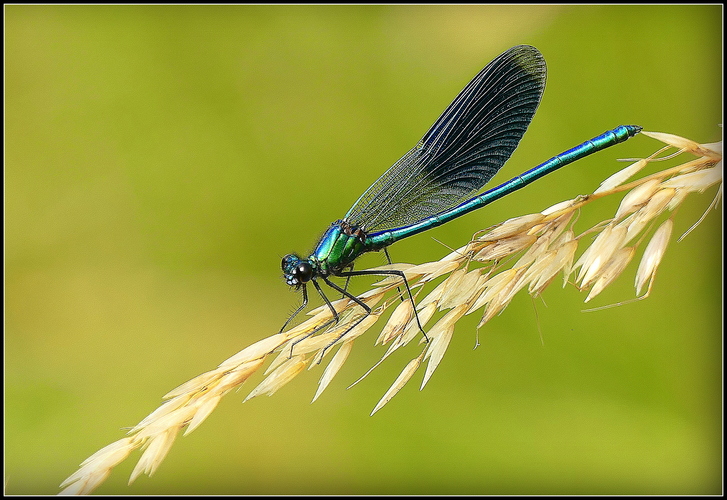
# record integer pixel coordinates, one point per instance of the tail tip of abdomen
(633, 129)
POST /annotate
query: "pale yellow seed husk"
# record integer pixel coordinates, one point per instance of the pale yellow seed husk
(362, 327)
(558, 207)
(531, 253)
(512, 226)
(462, 292)
(455, 255)
(547, 265)
(111, 454)
(679, 196)
(342, 335)
(492, 287)
(611, 270)
(239, 375)
(434, 296)
(392, 279)
(637, 197)
(556, 229)
(658, 202)
(714, 147)
(424, 314)
(562, 259)
(655, 206)
(397, 322)
(601, 251)
(499, 249)
(502, 298)
(681, 143)
(205, 409)
(412, 329)
(321, 313)
(400, 381)
(332, 369)
(177, 418)
(166, 408)
(653, 254)
(87, 484)
(621, 176)
(476, 288)
(431, 270)
(281, 376)
(95, 468)
(321, 340)
(195, 384)
(157, 449)
(441, 335)
(564, 240)
(257, 350)
(518, 284)
(410, 332)
(451, 283)
(697, 181)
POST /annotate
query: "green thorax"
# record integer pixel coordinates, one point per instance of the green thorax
(341, 244)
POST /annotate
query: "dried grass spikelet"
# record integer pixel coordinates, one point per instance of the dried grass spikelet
(474, 278)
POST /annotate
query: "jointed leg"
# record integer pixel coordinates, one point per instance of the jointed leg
(355, 299)
(390, 272)
(345, 287)
(388, 259)
(347, 294)
(319, 328)
(328, 302)
(302, 306)
(358, 301)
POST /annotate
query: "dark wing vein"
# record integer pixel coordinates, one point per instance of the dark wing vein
(464, 148)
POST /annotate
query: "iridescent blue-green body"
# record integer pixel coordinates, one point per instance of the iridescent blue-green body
(337, 249)
(343, 242)
(436, 181)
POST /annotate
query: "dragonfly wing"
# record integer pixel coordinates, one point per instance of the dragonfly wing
(464, 148)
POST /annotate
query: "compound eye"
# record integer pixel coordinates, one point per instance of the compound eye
(289, 262)
(287, 259)
(304, 272)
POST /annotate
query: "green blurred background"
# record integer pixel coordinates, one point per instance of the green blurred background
(161, 160)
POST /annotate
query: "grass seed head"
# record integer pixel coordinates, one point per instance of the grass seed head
(546, 243)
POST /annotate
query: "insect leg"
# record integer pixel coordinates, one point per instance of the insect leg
(324, 325)
(328, 302)
(302, 306)
(356, 300)
(345, 287)
(388, 259)
(391, 272)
